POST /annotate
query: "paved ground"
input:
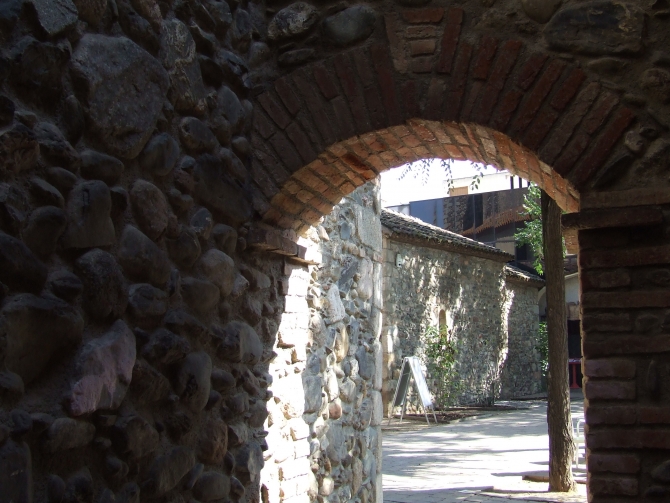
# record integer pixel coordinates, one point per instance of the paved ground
(479, 459)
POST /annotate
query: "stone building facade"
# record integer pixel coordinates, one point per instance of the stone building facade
(489, 308)
(159, 158)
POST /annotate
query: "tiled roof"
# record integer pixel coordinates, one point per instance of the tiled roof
(525, 276)
(418, 229)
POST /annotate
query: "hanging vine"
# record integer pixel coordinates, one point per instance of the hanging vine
(422, 169)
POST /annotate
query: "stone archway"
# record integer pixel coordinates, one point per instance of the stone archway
(315, 188)
(542, 102)
(141, 143)
(434, 83)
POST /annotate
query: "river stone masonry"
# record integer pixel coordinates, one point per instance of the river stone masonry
(325, 419)
(135, 324)
(241, 131)
(489, 308)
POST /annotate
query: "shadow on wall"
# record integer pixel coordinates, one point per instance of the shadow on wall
(489, 323)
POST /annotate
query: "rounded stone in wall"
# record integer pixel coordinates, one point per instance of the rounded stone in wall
(45, 226)
(148, 385)
(62, 179)
(147, 304)
(196, 136)
(91, 11)
(230, 107)
(212, 486)
(36, 70)
(167, 470)
(165, 347)
(213, 441)
(185, 249)
(55, 17)
(221, 196)
(19, 149)
(20, 269)
(350, 25)
(89, 224)
(150, 208)
(55, 147)
(150, 11)
(597, 27)
(294, 20)
(98, 166)
(540, 10)
(66, 433)
(237, 342)
(36, 329)
(103, 284)
(248, 462)
(179, 58)
(192, 381)
(657, 82)
(220, 11)
(160, 155)
(141, 259)
(220, 269)
(124, 89)
(65, 285)
(106, 366)
(241, 30)
(72, 118)
(200, 295)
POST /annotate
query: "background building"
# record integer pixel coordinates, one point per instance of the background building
(488, 209)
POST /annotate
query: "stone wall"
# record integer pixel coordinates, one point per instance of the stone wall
(324, 422)
(493, 322)
(521, 374)
(330, 383)
(143, 141)
(136, 326)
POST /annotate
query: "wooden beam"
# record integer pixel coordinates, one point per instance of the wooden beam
(640, 216)
(625, 198)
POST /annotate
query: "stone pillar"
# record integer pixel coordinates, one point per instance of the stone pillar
(625, 291)
(324, 425)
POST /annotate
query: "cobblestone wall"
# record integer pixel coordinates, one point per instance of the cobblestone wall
(324, 422)
(143, 142)
(492, 322)
(521, 374)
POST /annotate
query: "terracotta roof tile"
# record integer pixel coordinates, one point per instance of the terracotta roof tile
(525, 276)
(415, 228)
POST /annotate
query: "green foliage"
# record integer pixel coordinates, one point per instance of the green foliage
(531, 233)
(440, 355)
(542, 347)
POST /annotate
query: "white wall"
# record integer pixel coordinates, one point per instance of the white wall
(488, 183)
(571, 293)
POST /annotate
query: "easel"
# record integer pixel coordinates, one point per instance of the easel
(411, 367)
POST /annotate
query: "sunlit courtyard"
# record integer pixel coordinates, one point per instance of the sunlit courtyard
(484, 458)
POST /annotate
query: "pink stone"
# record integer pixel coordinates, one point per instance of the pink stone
(106, 368)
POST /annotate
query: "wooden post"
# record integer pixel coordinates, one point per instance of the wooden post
(558, 403)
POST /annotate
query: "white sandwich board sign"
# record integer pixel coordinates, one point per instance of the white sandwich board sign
(411, 370)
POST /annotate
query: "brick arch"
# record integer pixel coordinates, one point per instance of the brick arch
(314, 189)
(479, 86)
(310, 146)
